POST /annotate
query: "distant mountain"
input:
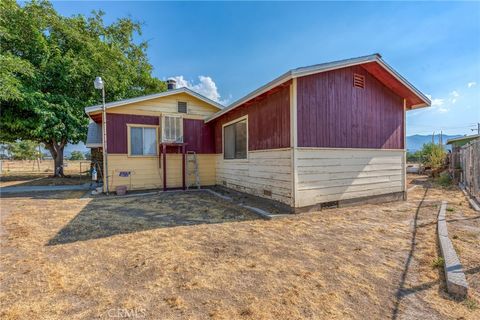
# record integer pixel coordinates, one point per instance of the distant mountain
(416, 141)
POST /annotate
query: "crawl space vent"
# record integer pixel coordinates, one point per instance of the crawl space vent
(358, 81)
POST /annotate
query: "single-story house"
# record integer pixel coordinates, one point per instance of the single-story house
(461, 141)
(332, 132)
(454, 157)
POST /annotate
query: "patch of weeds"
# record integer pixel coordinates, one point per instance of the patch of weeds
(471, 304)
(450, 209)
(438, 263)
(444, 180)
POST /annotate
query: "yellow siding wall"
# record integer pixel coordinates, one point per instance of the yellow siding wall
(197, 109)
(147, 174)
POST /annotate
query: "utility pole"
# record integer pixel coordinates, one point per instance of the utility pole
(478, 128)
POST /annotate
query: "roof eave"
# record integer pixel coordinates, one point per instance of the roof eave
(471, 137)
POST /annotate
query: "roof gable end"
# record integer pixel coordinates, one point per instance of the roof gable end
(155, 96)
(372, 63)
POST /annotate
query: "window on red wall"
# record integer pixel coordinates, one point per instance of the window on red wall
(235, 140)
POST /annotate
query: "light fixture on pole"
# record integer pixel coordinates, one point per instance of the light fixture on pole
(99, 85)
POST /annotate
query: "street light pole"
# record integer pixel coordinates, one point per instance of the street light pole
(100, 85)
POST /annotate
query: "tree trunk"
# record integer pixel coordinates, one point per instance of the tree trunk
(56, 150)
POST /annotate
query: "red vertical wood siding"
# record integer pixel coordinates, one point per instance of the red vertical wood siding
(198, 136)
(268, 121)
(117, 130)
(332, 113)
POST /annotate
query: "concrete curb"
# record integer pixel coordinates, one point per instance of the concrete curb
(262, 213)
(472, 201)
(455, 278)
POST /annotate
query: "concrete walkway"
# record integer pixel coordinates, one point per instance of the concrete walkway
(26, 189)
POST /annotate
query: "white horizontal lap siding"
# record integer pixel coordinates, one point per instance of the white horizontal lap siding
(339, 174)
(263, 170)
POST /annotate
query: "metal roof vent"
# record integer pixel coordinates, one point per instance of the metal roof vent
(358, 81)
(171, 84)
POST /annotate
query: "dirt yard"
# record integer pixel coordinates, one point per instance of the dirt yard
(32, 173)
(42, 179)
(195, 256)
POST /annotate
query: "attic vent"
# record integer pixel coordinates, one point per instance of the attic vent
(182, 107)
(358, 81)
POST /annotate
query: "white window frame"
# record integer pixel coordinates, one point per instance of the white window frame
(163, 128)
(129, 140)
(223, 139)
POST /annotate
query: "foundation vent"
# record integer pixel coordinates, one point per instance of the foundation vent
(329, 205)
(358, 81)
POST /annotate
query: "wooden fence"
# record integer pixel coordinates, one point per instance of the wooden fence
(470, 166)
(9, 167)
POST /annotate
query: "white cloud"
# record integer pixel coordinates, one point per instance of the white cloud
(453, 96)
(206, 87)
(471, 84)
(435, 102)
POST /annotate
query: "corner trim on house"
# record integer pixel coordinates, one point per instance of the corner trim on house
(294, 139)
(405, 148)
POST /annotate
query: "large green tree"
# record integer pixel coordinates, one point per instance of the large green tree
(47, 66)
(23, 150)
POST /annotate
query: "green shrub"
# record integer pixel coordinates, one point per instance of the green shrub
(433, 155)
(444, 180)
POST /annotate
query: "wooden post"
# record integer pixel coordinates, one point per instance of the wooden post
(164, 154)
(183, 167)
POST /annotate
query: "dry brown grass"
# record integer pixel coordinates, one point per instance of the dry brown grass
(65, 257)
(41, 179)
(42, 166)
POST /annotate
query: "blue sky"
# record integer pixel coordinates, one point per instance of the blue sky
(237, 47)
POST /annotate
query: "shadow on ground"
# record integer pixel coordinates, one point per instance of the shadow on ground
(107, 217)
